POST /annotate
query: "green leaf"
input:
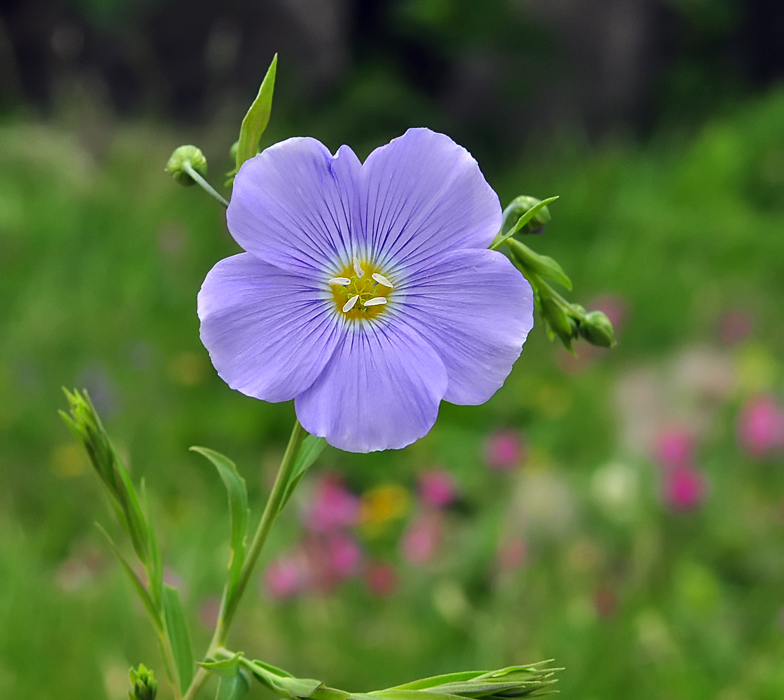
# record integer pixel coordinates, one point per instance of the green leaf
(138, 588)
(522, 221)
(238, 511)
(234, 688)
(433, 681)
(308, 452)
(281, 681)
(177, 634)
(542, 265)
(412, 695)
(226, 668)
(257, 117)
(155, 567)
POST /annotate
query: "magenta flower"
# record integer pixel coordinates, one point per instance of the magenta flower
(333, 507)
(345, 555)
(437, 488)
(503, 450)
(684, 488)
(675, 448)
(287, 576)
(422, 540)
(367, 293)
(761, 426)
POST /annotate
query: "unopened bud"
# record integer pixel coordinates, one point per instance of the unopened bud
(143, 684)
(518, 207)
(597, 329)
(184, 157)
(87, 428)
(560, 322)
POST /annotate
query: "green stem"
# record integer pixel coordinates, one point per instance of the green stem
(203, 183)
(271, 510)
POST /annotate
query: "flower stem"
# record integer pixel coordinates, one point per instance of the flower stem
(201, 182)
(271, 511)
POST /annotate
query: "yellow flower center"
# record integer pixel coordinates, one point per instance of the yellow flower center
(361, 290)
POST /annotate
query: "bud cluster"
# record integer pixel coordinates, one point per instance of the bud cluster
(85, 424)
(143, 684)
(528, 681)
(566, 320)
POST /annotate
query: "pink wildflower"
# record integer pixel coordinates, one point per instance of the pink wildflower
(344, 556)
(332, 507)
(675, 448)
(684, 488)
(503, 450)
(437, 488)
(761, 426)
(286, 576)
(423, 538)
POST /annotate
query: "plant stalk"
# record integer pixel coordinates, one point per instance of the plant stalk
(271, 510)
(201, 182)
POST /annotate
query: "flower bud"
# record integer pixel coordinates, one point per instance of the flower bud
(518, 207)
(560, 322)
(182, 158)
(143, 684)
(597, 329)
(87, 428)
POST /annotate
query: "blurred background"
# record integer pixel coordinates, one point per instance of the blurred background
(620, 511)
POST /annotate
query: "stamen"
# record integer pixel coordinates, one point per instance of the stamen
(350, 304)
(375, 301)
(339, 280)
(358, 268)
(381, 279)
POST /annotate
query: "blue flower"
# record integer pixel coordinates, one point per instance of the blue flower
(367, 293)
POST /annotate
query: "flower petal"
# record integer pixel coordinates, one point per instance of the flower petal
(380, 390)
(293, 206)
(269, 332)
(476, 310)
(422, 194)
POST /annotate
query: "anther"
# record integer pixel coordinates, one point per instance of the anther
(382, 280)
(375, 301)
(350, 304)
(339, 280)
(358, 268)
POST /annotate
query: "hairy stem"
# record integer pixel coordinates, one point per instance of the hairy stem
(271, 510)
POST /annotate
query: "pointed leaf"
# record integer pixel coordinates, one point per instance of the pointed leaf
(234, 688)
(238, 511)
(281, 681)
(522, 221)
(298, 687)
(155, 567)
(226, 668)
(177, 634)
(257, 117)
(412, 695)
(138, 588)
(308, 453)
(542, 265)
(433, 681)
